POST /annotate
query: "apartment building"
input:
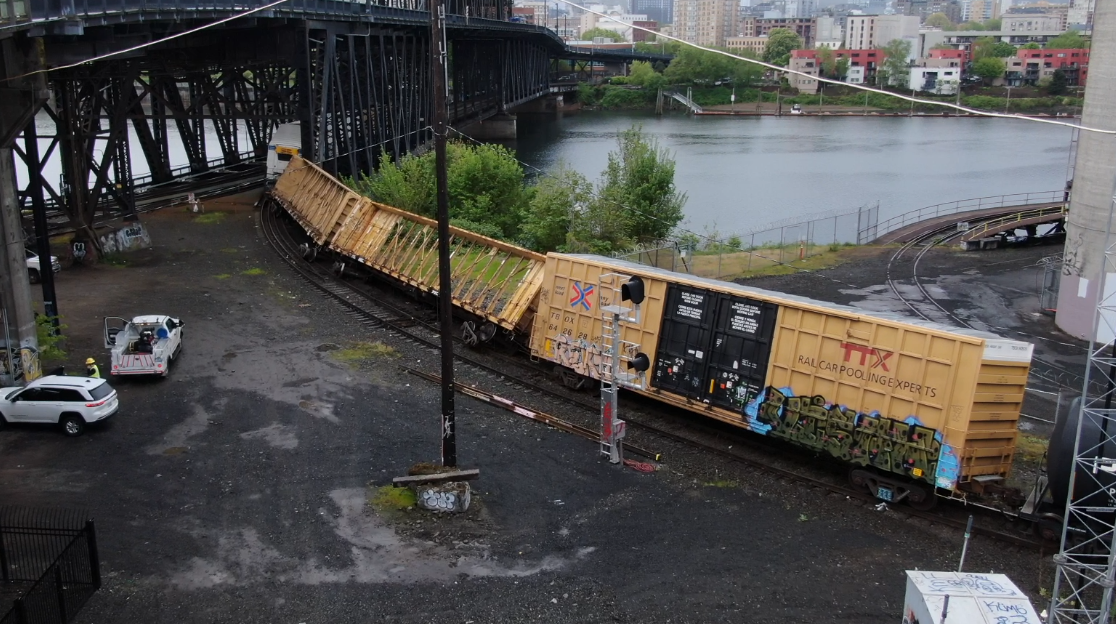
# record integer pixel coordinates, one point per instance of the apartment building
(1031, 66)
(661, 11)
(705, 22)
(755, 45)
(1034, 22)
(804, 27)
(805, 61)
(864, 32)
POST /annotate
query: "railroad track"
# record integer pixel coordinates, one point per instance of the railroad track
(371, 308)
(1042, 370)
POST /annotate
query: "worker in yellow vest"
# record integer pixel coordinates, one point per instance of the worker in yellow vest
(91, 369)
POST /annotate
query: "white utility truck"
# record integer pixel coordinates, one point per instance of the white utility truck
(286, 142)
(145, 345)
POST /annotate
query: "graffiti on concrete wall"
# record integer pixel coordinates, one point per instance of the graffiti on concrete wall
(130, 237)
(905, 447)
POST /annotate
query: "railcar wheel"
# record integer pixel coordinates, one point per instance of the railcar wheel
(312, 254)
(469, 334)
(921, 497)
(1049, 527)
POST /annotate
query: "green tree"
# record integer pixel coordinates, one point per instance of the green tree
(1030, 46)
(558, 197)
(644, 75)
(639, 179)
(895, 66)
(780, 43)
(827, 61)
(939, 20)
(593, 33)
(486, 186)
(1058, 83)
(407, 184)
(842, 68)
(985, 47)
(971, 26)
(988, 69)
(1069, 40)
(993, 24)
(691, 65)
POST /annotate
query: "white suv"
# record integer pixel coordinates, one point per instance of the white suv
(59, 399)
(34, 270)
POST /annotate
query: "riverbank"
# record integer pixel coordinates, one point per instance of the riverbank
(633, 98)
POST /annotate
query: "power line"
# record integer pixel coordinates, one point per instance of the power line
(907, 98)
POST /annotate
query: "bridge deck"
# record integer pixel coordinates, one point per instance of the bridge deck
(914, 230)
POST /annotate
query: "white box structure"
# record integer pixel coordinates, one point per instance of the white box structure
(973, 599)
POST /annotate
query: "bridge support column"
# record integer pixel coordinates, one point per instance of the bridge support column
(1083, 267)
(501, 127)
(18, 327)
(21, 96)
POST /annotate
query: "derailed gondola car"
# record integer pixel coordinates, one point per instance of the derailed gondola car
(912, 406)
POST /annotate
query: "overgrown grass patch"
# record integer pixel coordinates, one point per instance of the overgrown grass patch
(114, 259)
(391, 498)
(254, 271)
(222, 276)
(210, 218)
(362, 352)
(230, 250)
(1031, 448)
(721, 483)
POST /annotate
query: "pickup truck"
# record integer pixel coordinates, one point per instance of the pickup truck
(145, 345)
(33, 266)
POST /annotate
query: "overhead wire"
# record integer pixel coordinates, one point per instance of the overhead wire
(150, 43)
(907, 98)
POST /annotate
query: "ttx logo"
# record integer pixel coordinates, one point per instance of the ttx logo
(879, 356)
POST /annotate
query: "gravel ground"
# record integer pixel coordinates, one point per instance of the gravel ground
(237, 490)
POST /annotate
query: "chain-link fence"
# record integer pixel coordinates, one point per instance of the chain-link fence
(789, 244)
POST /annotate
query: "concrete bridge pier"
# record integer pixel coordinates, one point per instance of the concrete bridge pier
(499, 127)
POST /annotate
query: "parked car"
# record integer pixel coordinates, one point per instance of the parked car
(72, 402)
(33, 267)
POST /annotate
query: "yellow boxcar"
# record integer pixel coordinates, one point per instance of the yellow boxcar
(933, 403)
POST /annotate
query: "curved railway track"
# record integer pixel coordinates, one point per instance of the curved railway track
(371, 308)
(1042, 370)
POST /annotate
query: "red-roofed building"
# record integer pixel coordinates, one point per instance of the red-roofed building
(862, 67)
(960, 56)
(1031, 66)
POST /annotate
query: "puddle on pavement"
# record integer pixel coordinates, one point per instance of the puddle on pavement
(378, 555)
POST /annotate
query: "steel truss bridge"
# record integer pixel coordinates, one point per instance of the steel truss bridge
(355, 74)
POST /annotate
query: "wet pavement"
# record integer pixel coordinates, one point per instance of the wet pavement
(238, 489)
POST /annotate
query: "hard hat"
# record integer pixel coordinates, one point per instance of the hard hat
(90, 361)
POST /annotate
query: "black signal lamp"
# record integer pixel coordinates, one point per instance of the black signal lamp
(632, 291)
(640, 362)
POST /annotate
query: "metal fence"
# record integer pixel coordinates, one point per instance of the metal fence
(49, 566)
(774, 244)
(876, 231)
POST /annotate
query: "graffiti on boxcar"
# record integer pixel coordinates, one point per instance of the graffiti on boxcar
(906, 446)
(577, 354)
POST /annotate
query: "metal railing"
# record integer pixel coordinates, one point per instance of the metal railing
(962, 205)
(684, 100)
(49, 558)
(1025, 215)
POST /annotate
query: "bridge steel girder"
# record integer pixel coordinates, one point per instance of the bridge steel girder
(360, 89)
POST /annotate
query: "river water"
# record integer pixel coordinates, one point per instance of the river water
(741, 173)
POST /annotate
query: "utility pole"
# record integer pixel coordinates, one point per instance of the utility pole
(439, 56)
